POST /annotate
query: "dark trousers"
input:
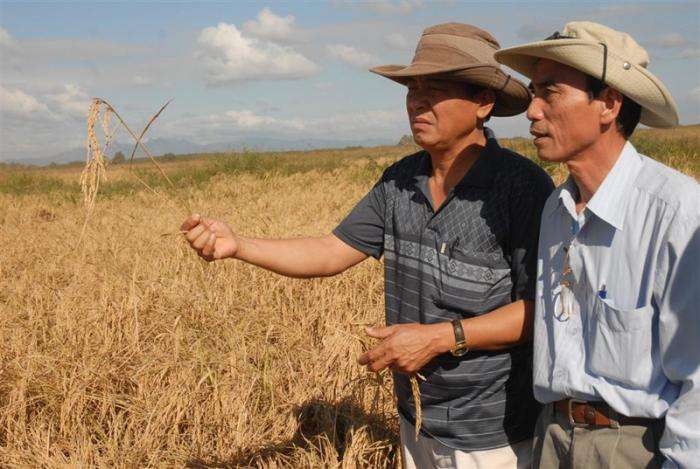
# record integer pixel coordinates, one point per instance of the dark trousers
(559, 444)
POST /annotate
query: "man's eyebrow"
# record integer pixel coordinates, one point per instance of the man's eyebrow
(541, 84)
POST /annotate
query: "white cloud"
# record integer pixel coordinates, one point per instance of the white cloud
(695, 93)
(270, 26)
(231, 57)
(535, 31)
(668, 41)
(395, 7)
(398, 41)
(71, 100)
(324, 86)
(16, 102)
(620, 10)
(627, 10)
(689, 53)
(351, 55)
(142, 80)
(246, 119)
(5, 38)
(229, 125)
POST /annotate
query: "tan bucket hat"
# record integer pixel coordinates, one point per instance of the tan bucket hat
(612, 56)
(462, 52)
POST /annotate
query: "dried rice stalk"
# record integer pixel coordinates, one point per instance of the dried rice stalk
(94, 171)
(415, 390)
(139, 143)
(106, 115)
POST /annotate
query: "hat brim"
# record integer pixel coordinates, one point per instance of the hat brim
(634, 81)
(512, 96)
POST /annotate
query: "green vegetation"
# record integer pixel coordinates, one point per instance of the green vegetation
(678, 148)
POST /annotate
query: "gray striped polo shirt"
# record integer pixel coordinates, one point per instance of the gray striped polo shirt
(475, 253)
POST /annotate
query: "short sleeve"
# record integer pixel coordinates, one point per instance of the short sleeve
(363, 227)
(529, 193)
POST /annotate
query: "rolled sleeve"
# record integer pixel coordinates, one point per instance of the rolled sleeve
(363, 227)
(678, 297)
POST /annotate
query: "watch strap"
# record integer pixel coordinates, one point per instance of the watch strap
(460, 340)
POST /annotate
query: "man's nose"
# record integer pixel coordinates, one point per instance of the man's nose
(415, 100)
(534, 110)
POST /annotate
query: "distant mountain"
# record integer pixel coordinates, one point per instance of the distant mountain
(161, 146)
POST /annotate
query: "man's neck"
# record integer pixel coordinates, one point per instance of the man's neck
(450, 164)
(589, 168)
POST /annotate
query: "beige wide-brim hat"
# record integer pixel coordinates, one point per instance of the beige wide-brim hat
(606, 54)
(462, 52)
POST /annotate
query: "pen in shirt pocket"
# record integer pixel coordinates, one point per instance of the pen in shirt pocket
(453, 245)
(603, 292)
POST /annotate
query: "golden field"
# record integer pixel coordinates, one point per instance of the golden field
(123, 349)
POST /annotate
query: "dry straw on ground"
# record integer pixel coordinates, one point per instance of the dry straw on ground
(136, 354)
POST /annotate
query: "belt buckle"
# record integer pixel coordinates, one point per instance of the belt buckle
(572, 422)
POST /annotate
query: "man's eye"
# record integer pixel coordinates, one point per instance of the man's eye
(543, 93)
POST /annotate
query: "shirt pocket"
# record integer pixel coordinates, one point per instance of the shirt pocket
(471, 282)
(620, 343)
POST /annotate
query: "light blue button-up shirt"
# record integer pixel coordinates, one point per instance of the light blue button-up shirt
(632, 337)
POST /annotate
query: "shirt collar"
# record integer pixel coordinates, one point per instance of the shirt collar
(609, 203)
(568, 194)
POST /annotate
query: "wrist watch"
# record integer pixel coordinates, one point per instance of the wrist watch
(460, 347)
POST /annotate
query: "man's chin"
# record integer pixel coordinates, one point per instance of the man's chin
(421, 142)
(546, 154)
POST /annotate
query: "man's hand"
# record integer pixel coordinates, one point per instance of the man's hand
(407, 348)
(212, 239)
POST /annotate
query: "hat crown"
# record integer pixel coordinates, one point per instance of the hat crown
(463, 30)
(456, 45)
(617, 42)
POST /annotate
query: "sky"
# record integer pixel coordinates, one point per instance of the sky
(295, 71)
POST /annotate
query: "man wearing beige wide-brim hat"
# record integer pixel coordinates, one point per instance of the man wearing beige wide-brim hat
(457, 225)
(617, 330)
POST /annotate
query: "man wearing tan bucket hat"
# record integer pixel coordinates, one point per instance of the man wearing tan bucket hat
(617, 328)
(457, 225)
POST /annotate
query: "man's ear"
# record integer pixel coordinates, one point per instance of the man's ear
(611, 101)
(486, 100)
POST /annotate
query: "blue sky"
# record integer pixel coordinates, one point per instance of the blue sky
(286, 70)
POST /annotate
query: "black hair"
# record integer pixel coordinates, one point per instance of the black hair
(630, 112)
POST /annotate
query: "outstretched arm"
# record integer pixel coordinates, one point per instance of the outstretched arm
(300, 257)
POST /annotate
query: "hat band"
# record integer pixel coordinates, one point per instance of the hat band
(479, 50)
(557, 35)
(443, 57)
